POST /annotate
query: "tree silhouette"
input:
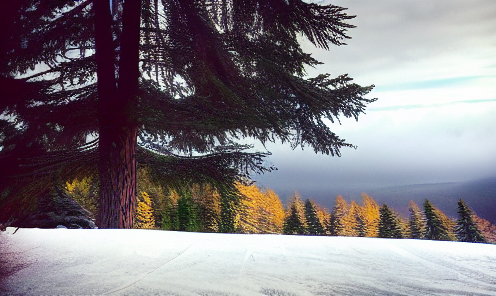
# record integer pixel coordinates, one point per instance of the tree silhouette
(416, 221)
(314, 226)
(466, 230)
(438, 226)
(295, 222)
(168, 84)
(389, 225)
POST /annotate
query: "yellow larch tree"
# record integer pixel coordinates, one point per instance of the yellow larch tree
(370, 215)
(85, 193)
(261, 211)
(144, 214)
(350, 221)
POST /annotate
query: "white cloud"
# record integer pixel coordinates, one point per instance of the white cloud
(434, 68)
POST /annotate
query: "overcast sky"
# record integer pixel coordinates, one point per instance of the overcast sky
(434, 67)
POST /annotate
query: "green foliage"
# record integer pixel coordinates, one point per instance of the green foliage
(466, 230)
(229, 203)
(295, 222)
(314, 226)
(416, 222)
(208, 205)
(389, 224)
(438, 226)
(187, 214)
(186, 77)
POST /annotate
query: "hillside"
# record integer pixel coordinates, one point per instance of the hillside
(150, 262)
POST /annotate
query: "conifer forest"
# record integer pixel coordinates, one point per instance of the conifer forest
(260, 210)
(98, 88)
(139, 111)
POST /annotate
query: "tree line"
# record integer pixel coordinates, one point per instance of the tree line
(201, 208)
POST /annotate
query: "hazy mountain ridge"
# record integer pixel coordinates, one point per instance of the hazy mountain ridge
(479, 195)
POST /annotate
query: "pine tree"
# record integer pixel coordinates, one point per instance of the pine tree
(416, 223)
(208, 201)
(389, 225)
(229, 205)
(466, 230)
(361, 223)
(187, 213)
(438, 226)
(184, 77)
(314, 226)
(144, 213)
(339, 212)
(295, 222)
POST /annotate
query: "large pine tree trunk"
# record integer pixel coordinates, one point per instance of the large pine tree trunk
(117, 177)
(117, 119)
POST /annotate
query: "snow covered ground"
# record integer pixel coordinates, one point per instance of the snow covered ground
(152, 262)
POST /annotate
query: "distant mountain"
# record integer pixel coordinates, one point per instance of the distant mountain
(479, 195)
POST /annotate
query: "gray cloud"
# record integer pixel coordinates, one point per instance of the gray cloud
(434, 68)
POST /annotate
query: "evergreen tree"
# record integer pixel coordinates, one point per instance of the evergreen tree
(187, 214)
(339, 212)
(438, 226)
(229, 205)
(361, 223)
(295, 222)
(208, 201)
(389, 225)
(144, 213)
(184, 77)
(466, 230)
(416, 223)
(314, 226)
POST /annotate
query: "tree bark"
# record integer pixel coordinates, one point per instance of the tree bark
(117, 121)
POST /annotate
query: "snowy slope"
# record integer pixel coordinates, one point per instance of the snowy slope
(151, 262)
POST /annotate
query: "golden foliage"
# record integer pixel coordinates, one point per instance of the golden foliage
(84, 193)
(350, 220)
(144, 213)
(371, 216)
(261, 211)
(208, 200)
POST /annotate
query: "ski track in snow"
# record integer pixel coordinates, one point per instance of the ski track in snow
(146, 274)
(148, 262)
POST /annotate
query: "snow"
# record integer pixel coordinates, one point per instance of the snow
(153, 262)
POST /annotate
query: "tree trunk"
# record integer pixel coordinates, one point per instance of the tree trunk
(117, 121)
